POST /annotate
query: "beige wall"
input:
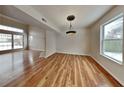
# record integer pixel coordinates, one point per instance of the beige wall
(50, 43)
(42, 40)
(114, 68)
(36, 38)
(78, 44)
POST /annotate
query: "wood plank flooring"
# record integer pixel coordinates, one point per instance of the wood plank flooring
(58, 70)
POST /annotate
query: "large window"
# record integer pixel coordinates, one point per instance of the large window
(112, 39)
(10, 38)
(5, 41)
(18, 41)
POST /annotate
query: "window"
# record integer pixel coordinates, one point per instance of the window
(10, 38)
(112, 39)
(8, 28)
(18, 41)
(5, 41)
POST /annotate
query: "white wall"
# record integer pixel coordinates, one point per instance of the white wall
(50, 43)
(115, 69)
(79, 44)
(36, 38)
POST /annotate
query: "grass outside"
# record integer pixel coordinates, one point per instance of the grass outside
(113, 45)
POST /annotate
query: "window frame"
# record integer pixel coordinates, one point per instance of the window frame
(102, 39)
(12, 33)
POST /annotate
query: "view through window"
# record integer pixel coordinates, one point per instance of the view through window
(14, 40)
(112, 39)
(5, 41)
(18, 41)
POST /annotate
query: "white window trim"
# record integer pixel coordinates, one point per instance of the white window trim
(101, 40)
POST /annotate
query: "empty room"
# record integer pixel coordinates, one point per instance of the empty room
(61, 46)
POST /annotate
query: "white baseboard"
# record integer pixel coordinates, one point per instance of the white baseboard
(73, 53)
(106, 69)
(38, 50)
(46, 56)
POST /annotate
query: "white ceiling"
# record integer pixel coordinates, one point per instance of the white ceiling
(85, 14)
(22, 17)
(57, 14)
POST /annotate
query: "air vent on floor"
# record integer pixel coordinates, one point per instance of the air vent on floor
(43, 19)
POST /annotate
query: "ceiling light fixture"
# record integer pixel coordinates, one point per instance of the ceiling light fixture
(70, 18)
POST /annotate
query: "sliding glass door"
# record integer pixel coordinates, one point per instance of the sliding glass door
(5, 41)
(11, 41)
(18, 41)
(11, 38)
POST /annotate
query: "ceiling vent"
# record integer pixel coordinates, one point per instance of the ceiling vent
(43, 19)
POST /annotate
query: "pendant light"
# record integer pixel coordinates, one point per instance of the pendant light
(70, 18)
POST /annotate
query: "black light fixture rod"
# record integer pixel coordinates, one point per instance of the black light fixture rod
(70, 25)
(70, 18)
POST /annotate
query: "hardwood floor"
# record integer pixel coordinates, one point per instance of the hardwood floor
(12, 65)
(58, 70)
